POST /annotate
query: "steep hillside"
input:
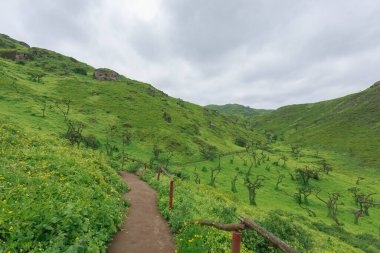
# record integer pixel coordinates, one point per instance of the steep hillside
(350, 124)
(237, 110)
(39, 87)
(54, 198)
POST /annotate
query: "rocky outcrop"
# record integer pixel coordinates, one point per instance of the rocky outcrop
(14, 55)
(106, 75)
(21, 57)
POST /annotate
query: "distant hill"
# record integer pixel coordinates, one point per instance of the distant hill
(350, 124)
(236, 109)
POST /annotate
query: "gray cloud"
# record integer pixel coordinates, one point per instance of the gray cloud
(262, 53)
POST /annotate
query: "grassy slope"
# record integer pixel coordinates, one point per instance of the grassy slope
(237, 110)
(48, 199)
(99, 104)
(268, 199)
(349, 124)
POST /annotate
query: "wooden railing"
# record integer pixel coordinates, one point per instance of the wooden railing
(244, 224)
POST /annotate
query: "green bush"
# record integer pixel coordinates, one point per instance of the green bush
(240, 141)
(282, 227)
(91, 141)
(80, 71)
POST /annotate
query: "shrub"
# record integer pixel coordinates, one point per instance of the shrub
(241, 141)
(91, 141)
(282, 227)
(167, 117)
(80, 71)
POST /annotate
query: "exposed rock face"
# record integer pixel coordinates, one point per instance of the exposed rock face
(21, 57)
(106, 75)
(15, 56)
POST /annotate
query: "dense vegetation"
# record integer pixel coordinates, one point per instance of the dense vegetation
(291, 169)
(55, 198)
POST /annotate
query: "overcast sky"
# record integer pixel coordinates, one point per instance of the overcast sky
(261, 53)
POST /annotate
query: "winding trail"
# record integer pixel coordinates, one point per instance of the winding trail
(144, 230)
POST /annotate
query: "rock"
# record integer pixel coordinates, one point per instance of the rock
(21, 57)
(106, 75)
(14, 55)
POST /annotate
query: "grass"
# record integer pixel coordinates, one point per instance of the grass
(49, 201)
(345, 132)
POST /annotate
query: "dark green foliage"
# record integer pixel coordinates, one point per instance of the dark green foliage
(167, 117)
(225, 214)
(241, 141)
(80, 71)
(305, 174)
(74, 132)
(253, 186)
(208, 152)
(282, 227)
(91, 141)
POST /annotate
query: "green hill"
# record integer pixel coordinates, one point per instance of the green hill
(32, 79)
(237, 110)
(350, 124)
(65, 129)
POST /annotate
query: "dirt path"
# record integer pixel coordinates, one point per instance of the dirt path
(145, 230)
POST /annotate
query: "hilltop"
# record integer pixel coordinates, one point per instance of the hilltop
(349, 124)
(237, 110)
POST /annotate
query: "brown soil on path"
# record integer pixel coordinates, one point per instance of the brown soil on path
(145, 230)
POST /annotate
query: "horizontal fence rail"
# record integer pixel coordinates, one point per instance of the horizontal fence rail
(244, 225)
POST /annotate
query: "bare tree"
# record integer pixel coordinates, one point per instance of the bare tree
(332, 204)
(110, 133)
(305, 174)
(363, 201)
(253, 186)
(326, 168)
(233, 183)
(310, 212)
(65, 108)
(280, 178)
(74, 132)
(302, 194)
(214, 173)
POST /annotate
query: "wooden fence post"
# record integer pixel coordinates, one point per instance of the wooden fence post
(171, 193)
(158, 173)
(144, 167)
(236, 238)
